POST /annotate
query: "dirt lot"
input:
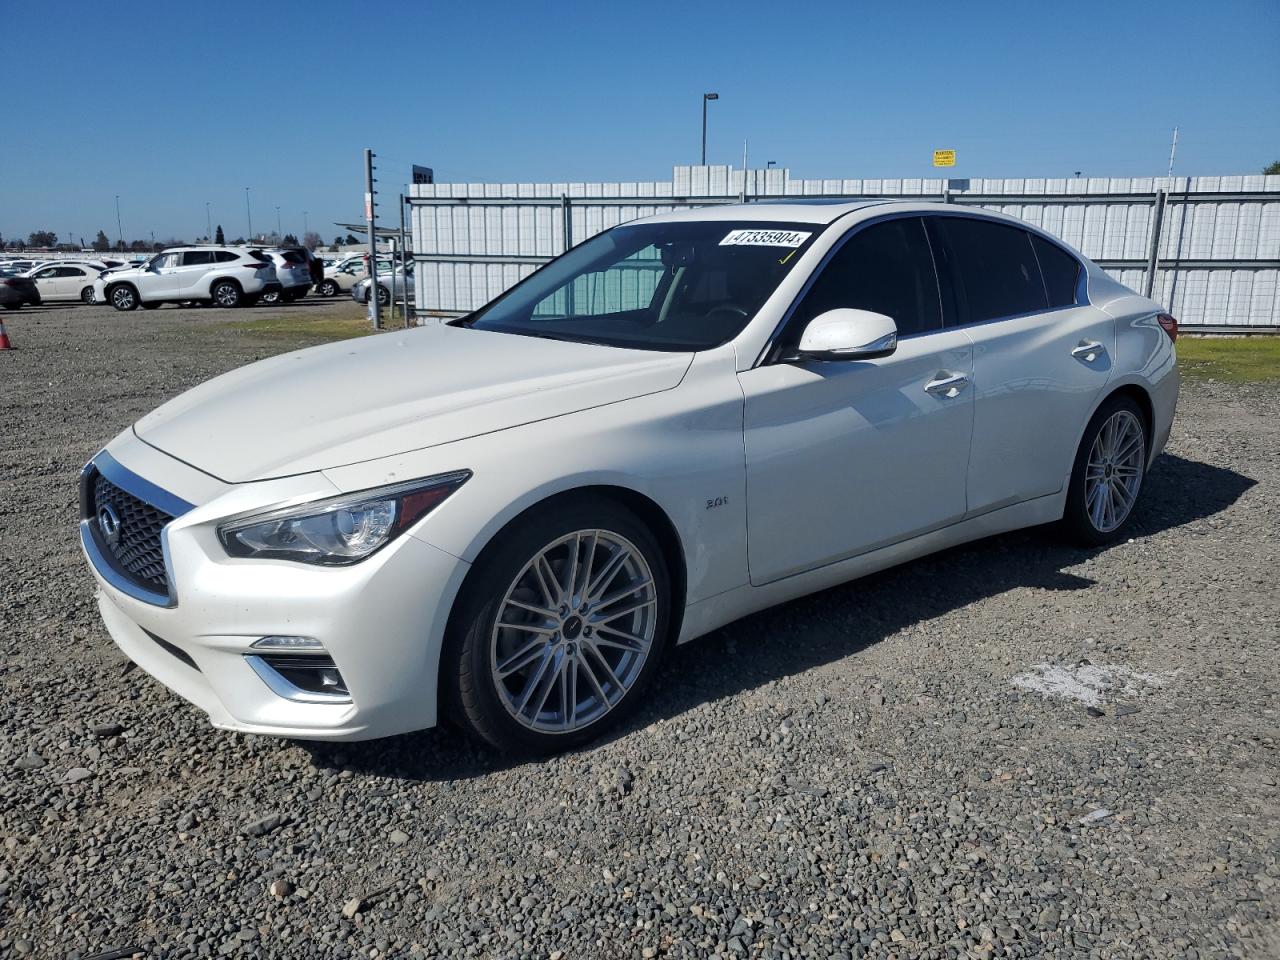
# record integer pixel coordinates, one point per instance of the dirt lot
(1010, 749)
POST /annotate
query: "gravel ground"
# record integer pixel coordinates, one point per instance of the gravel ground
(1012, 749)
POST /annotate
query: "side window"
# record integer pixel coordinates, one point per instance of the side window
(224, 256)
(166, 261)
(47, 274)
(193, 258)
(1061, 271)
(887, 268)
(72, 272)
(995, 266)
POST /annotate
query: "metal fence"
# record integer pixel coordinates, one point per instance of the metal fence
(1207, 248)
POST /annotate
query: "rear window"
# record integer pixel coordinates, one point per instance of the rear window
(225, 256)
(294, 257)
(996, 270)
(259, 256)
(1061, 271)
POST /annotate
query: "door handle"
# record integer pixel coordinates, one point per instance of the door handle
(947, 384)
(1088, 350)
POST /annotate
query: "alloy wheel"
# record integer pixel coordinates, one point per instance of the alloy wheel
(1113, 475)
(123, 298)
(573, 631)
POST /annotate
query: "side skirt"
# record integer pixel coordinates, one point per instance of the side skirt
(706, 615)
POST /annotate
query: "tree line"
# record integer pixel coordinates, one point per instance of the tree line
(48, 240)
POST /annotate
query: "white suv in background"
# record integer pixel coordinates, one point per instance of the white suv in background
(294, 273)
(227, 276)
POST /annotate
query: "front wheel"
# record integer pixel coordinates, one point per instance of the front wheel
(271, 297)
(1108, 473)
(327, 289)
(384, 295)
(124, 298)
(560, 628)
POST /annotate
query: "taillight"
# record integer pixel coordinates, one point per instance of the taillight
(1168, 325)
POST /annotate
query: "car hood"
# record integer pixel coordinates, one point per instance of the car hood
(377, 396)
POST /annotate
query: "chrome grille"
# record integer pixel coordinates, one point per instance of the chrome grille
(135, 550)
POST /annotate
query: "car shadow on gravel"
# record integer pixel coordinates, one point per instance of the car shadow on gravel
(827, 626)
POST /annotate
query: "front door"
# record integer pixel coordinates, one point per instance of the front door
(162, 279)
(843, 457)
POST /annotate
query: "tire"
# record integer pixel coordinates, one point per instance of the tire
(151, 306)
(384, 296)
(327, 289)
(561, 651)
(1107, 476)
(226, 293)
(86, 295)
(271, 297)
(123, 297)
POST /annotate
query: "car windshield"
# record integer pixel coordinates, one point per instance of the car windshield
(679, 286)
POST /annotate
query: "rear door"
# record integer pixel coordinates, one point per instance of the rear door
(1040, 361)
(844, 457)
(195, 266)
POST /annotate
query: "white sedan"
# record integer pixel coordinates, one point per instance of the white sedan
(66, 281)
(508, 520)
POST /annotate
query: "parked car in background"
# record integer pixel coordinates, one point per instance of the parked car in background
(293, 270)
(226, 276)
(389, 286)
(17, 290)
(69, 280)
(346, 273)
(21, 266)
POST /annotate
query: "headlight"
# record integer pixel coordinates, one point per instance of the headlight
(339, 530)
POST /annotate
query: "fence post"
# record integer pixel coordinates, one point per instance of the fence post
(566, 215)
(1153, 251)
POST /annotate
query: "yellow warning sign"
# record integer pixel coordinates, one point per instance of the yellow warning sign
(944, 158)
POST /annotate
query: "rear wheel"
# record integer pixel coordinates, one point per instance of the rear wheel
(270, 297)
(384, 295)
(327, 289)
(226, 293)
(1108, 473)
(123, 297)
(86, 295)
(560, 628)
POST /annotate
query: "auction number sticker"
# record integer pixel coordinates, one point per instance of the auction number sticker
(765, 238)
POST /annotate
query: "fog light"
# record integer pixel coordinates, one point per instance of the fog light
(303, 677)
(288, 643)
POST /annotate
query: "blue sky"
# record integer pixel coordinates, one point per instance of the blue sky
(173, 105)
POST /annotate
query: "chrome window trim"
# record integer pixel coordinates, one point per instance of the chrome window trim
(288, 691)
(142, 488)
(1082, 281)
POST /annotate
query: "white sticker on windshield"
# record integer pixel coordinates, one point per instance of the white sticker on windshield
(764, 238)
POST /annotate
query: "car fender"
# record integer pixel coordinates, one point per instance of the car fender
(682, 449)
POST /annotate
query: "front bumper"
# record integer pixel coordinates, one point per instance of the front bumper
(382, 622)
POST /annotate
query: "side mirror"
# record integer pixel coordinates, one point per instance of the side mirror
(848, 334)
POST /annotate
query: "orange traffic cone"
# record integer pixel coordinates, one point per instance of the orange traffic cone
(4, 338)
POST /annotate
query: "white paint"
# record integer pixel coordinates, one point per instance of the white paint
(1090, 683)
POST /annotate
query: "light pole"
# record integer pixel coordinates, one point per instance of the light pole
(705, 98)
(119, 229)
(306, 228)
(248, 213)
(208, 223)
(279, 232)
